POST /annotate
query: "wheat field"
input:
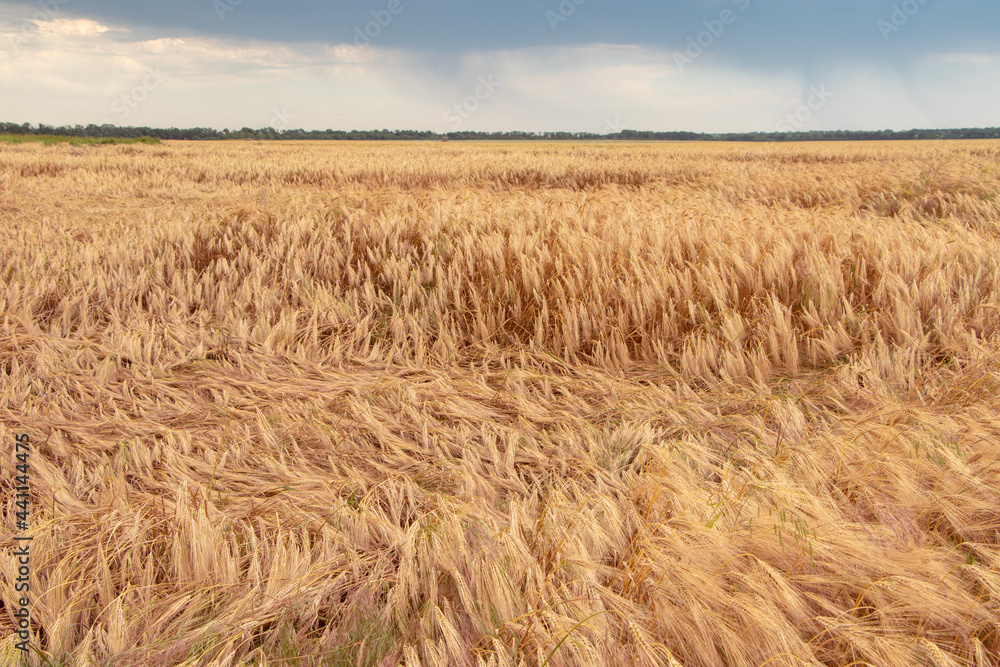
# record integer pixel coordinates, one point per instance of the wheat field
(503, 404)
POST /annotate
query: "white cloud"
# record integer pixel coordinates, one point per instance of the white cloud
(70, 27)
(962, 58)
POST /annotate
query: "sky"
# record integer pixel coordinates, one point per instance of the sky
(546, 65)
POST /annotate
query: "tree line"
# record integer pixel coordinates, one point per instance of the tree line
(270, 133)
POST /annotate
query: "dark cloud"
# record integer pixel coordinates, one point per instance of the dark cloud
(764, 34)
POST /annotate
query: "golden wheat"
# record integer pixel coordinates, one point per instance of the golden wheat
(497, 404)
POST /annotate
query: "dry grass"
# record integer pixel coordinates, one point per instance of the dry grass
(424, 404)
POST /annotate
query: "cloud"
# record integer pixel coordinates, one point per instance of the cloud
(960, 58)
(768, 34)
(606, 61)
(70, 27)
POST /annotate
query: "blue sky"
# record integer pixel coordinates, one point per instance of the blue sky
(445, 65)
